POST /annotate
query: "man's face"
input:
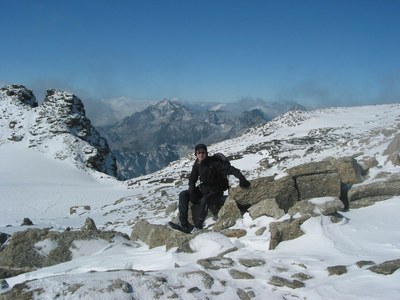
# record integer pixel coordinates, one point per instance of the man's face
(201, 154)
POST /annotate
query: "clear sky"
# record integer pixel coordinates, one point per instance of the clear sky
(335, 52)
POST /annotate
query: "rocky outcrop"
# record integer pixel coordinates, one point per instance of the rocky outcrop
(37, 248)
(20, 94)
(60, 117)
(308, 190)
(362, 195)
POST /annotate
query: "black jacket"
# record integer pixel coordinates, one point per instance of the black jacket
(210, 172)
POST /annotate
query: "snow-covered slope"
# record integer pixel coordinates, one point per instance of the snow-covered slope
(37, 186)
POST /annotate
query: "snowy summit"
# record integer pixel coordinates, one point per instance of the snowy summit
(318, 222)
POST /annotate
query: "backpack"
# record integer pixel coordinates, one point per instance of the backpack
(222, 165)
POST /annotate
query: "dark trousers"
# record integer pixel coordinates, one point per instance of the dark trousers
(212, 199)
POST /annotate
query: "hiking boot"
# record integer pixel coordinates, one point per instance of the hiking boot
(187, 228)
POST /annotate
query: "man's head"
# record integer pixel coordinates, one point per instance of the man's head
(200, 151)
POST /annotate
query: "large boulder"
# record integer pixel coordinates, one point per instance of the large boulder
(361, 195)
(316, 179)
(227, 215)
(350, 172)
(155, 235)
(285, 230)
(283, 190)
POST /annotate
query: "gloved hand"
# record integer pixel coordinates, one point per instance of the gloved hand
(244, 183)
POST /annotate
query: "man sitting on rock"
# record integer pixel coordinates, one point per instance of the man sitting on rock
(212, 172)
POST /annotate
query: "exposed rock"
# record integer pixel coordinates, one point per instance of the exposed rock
(20, 93)
(236, 233)
(250, 263)
(216, 263)
(387, 267)
(350, 171)
(243, 295)
(89, 225)
(283, 190)
(236, 274)
(317, 206)
(3, 238)
(260, 231)
(267, 207)
(26, 222)
(66, 114)
(155, 235)
(361, 195)
(316, 179)
(363, 263)
(280, 281)
(393, 150)
(285, 230)
(22, 252)
(337, 270)
(3, 284)
(228, 215)
(205, 278)
(302, 276)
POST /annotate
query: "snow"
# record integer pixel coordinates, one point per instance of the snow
(35, 185)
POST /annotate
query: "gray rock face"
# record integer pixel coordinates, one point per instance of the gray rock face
(20, 94)
(387, 267)
(61, 116)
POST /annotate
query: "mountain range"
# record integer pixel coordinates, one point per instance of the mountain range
(150, 139)
(78, 244)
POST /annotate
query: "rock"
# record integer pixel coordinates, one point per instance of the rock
(361, 195)
(350, 171)
(228, 215)
(251, 263)
(89, 225)
(337, 270)
(260, 231)
(3, 238)
(280, 281)
(393, 150)
(21, 253)
(216, 263)
(243, 295)
(3, 284)
(387, 267)
(283, 190)
(234, 233)
(317, 206)
(267, 207)
(159, 235)
(316, 179)
(302, 276)
(20, 93)
(204, 277)
(363, 263)
(284, 231)
(236, 274)
(27, 222)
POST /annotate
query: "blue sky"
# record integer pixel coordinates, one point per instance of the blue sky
(329, 52)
